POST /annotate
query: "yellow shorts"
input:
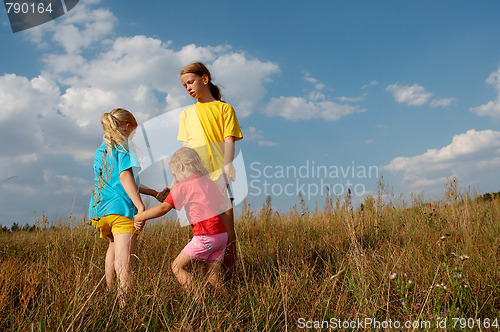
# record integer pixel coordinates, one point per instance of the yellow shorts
(114, 224)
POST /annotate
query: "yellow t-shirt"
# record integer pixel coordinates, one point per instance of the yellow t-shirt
(204, 126)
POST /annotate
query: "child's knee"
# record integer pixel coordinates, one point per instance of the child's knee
(173, 266)
(176, 266)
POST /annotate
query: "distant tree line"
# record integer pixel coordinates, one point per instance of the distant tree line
(16, 228)
(490, 196)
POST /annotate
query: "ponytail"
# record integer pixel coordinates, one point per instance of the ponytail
(214, 90)
(200, 69)
(113, 124)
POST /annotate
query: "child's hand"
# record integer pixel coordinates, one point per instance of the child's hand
(222, 182)
(163, 194)
(139, 223)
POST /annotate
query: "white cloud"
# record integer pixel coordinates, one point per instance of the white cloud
(317, 84)
(315, 105)
(442, 102)
(77, 29)
(462, 158)
(492, 108)
(372, 83)
(242, 80)
(350, 99)
(253, 134)
(304, 108)
(414, 95)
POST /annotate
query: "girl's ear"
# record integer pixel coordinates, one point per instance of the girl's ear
(205, 79)
(129, 128)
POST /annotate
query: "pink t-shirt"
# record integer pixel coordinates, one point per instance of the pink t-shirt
(201, 199)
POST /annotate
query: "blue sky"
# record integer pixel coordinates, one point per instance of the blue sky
(409, 88)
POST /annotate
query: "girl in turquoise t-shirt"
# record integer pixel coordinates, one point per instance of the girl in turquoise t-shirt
(116, 197)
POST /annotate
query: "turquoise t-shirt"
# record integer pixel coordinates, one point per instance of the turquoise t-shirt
(109, 196)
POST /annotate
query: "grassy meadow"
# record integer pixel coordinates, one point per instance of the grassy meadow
(390, 260)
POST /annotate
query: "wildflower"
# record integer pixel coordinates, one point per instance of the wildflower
(393, 276)
(402, 302)
(410, 281)
(464, 257)
(442, 239)
(453, 254)
(418, 304)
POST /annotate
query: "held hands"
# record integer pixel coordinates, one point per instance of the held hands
(139, 222)
(162, 194)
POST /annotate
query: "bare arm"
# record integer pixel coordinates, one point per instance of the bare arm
(229, 149)
(151, 192)
(154, 212)
(228, 153)
(147, 191)
(128, 183)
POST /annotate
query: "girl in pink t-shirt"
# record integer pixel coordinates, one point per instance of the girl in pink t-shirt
(203, 203)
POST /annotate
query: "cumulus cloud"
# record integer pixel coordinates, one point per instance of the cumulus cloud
(416, 95)
(372, 83)
(77, 30)
(317, 84)
(492, 108)
(252, 134)
(243, 79)
(303, 108)
(315, 105)
(442, 102)
(350, 99)
(467, 153)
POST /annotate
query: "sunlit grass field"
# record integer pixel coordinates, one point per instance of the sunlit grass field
(392, 260)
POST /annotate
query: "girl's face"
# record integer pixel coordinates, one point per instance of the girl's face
(196, 86)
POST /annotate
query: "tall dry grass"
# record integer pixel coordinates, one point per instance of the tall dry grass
(389, 259)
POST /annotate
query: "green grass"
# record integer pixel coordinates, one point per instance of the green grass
(386, 261)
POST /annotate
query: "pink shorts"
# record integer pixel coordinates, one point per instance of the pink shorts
(206, 248)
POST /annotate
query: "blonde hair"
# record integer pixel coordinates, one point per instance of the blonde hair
(200, 69)
(190, 159)
(114, 124)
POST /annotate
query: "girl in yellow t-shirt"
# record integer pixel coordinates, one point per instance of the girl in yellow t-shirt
(211, 128)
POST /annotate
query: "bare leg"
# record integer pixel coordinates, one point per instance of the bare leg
(230, 253)
(213, 272)
(124, 247)
(179, 266)
(109, 264)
